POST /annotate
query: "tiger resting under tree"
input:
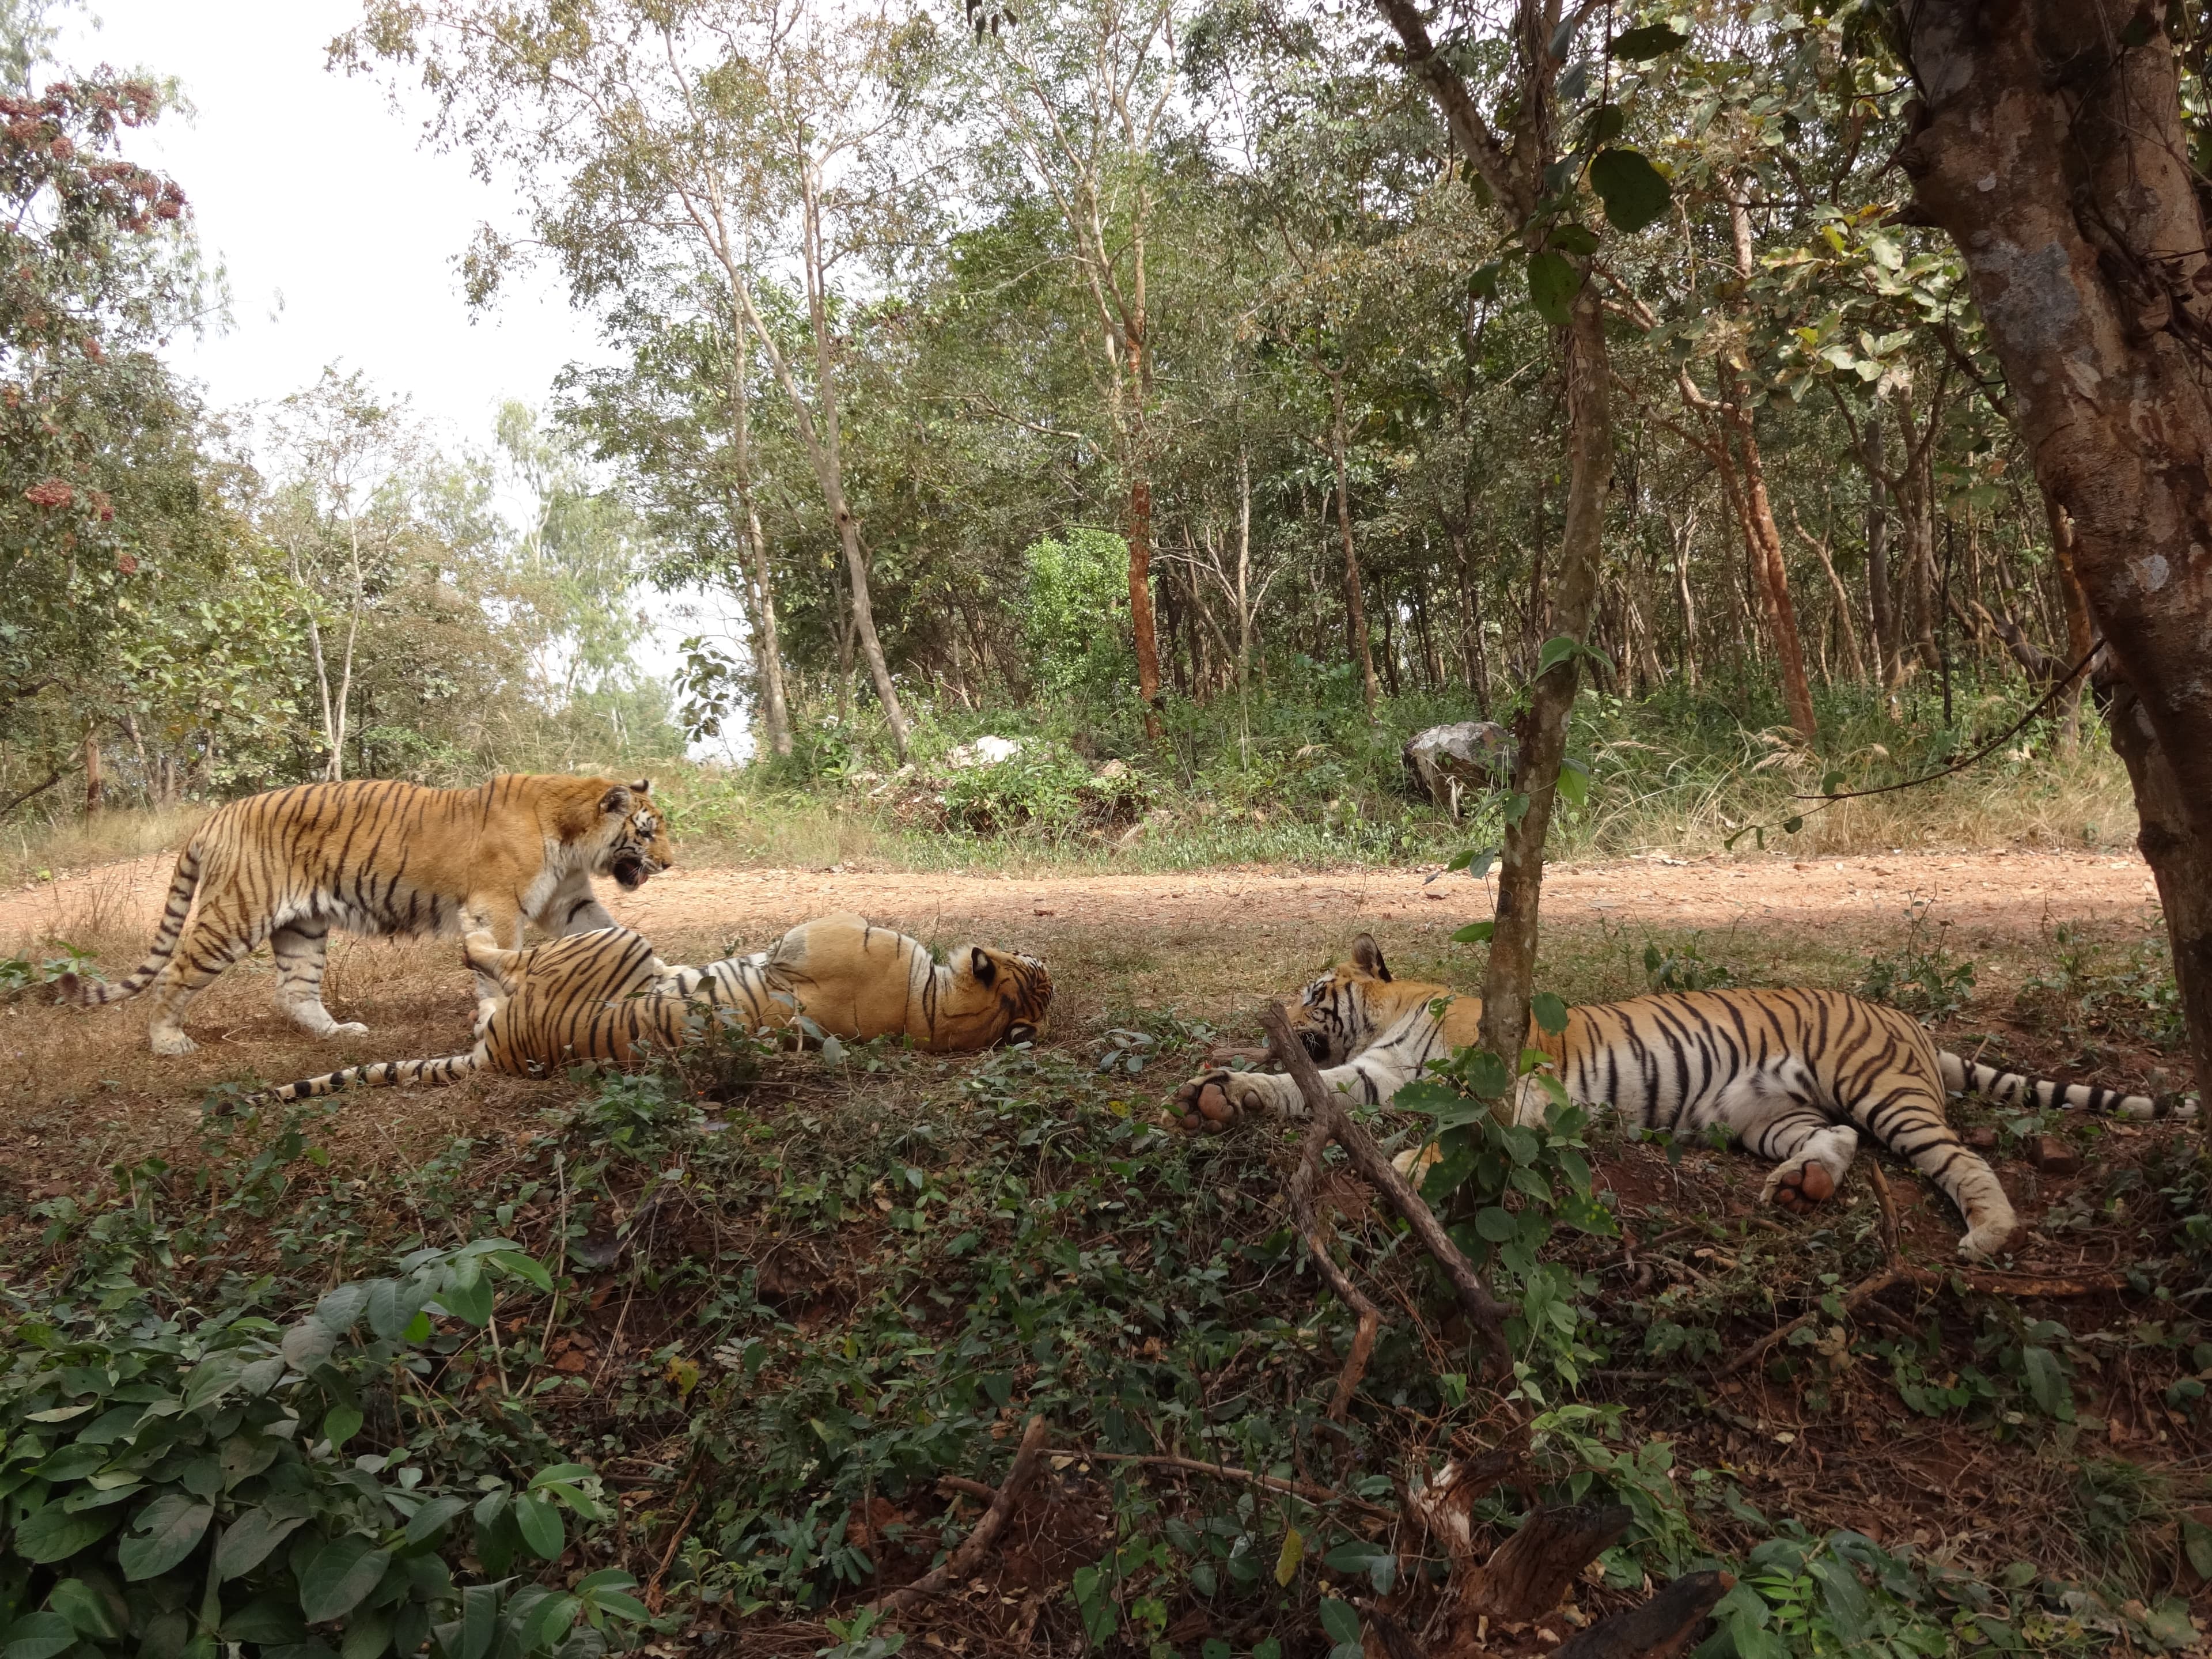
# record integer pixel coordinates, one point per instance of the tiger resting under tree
(382, 857)
(1793, 1075)
(605, 996)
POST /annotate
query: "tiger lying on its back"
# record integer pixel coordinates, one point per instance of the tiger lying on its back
(381, 857)
(1788, 1072)
(605, 996)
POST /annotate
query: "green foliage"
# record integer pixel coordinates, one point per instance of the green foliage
(1074, 614)
(168, 1483)
(1920, 976)
(1683, 967)
(2090, 997)
(21, 975)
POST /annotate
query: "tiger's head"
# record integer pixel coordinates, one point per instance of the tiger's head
(1352, 1005)
(636, 844)
(993, 997)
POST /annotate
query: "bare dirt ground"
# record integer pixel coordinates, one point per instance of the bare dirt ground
(1983, 894)
(79, 1091)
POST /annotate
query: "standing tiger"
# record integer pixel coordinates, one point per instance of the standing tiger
(382, 857)
(605, 996)
(1788, 1073)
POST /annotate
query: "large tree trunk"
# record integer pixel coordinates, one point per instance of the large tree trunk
(1509, 979)
(2052, 152)
(1355, 601)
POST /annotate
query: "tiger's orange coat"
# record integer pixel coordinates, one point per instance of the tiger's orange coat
(382, 857)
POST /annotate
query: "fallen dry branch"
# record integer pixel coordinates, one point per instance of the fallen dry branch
(973, 1549)
(1317, 1245)
(1306, 1490)
(1864, 1291)
(1486, 1310)
(1661, 1628)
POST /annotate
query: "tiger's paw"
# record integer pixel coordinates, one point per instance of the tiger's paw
(1799, 1186)
(172, 1043)
(1211, 1102)
(346, 1028)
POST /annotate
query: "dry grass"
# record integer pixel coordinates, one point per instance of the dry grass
(39, 848)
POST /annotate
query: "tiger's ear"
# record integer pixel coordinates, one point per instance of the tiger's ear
(615, 800)
(980, 967)
(643, 786)
(1367, 956)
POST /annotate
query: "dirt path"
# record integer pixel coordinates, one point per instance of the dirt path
(1984, 894)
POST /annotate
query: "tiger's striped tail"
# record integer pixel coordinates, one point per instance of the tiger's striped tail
(386, 1073)
(183, 884)
(1962, 1076)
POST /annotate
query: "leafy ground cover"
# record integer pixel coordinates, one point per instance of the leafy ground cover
(710, 1360)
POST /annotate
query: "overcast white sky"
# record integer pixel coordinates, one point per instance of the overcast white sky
(337, 228)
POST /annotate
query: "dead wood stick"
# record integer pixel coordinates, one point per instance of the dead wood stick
(1487, 1312)
(1306, 1490)
(1659, 1629)
(1862, 1292)
(1892, 1239)
(969, 1555)
(675, 1540)
(1317, 1244)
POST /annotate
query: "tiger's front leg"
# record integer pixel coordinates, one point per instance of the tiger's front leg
(1214, 1099)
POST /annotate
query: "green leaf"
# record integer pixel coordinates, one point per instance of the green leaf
(37, 1636)
(367, 1637)
(337, 1575)
(1561, 647)
(340, 1425)
(1496, 1224)
(427, 1521)
(52, 1533)
(544, 1625)
(1574, 781)
(1641, 46)
(389, 1309)
(1633, 191)
(2046, 1383)
(168, 1530)
(1475, 932)
(1792, 824)
(212, 1378)
(266, 1620)
(466, 1295)
(1553, 284)
(1549, 1012)
(1571, 238)
(557, 1475)
(341, 1307)
(89, 1613)
(479, 1620)
(2197, 1544)
(523, 1267)
(246, 1543)
(1832, 782)
(1339, 1619)
(540, 1524)
(308, 1344)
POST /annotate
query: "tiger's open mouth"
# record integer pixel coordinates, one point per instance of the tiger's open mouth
(630, 870)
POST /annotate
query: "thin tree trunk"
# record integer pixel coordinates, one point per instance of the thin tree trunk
(1883, 612)
(1355, 603)
(1843, 602)
(1682, 536)
(1509, 978)
(1758, 520)
(336, 772)
(315, 652)
(1140, 509)
(95, 796)
(768, 658)
(1478, 667)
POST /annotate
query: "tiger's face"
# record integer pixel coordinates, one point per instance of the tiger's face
(638, 846)
(996, 996)
(1353, 1004)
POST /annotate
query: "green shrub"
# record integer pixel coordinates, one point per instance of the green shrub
(1075, 611)
(173, 1485)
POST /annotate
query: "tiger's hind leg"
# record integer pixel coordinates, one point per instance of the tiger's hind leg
(203, 953)
(299, 948)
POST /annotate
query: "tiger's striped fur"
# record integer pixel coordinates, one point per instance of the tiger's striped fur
(1794, 1076)
(381, 857)
(605, 996)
